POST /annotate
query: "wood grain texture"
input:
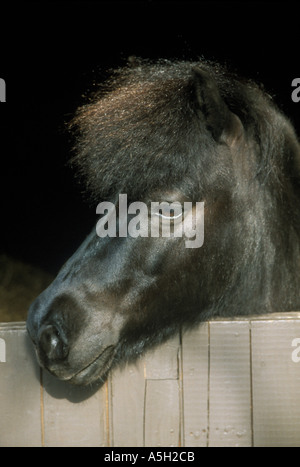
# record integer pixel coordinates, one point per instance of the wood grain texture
(229, 385)
(162, 413)
(127, 406)
(195, 364)
(225, 383)
(72, 416)
(20, 415)
(276, 383)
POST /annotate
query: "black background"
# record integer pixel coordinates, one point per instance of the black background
(53, 52)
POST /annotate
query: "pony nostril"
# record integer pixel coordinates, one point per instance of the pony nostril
(52, 343)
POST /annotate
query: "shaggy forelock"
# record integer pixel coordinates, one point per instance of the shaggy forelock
(139, 131)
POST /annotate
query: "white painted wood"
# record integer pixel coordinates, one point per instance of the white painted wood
(195, 362)
(20, 417)
(73, 416)
(127, 405)
(276, 383)
(162, 413)
(163, 365)
(229, 385)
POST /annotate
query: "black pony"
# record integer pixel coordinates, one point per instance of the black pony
(184, 132)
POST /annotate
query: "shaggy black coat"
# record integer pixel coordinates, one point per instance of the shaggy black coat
(145, 130)
(160, 130)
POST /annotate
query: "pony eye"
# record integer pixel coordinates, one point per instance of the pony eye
(167, 212)
(171, 215)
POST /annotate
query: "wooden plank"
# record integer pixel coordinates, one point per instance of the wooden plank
(73, 416)
(162, 362)
(286, 315)
(195, 352)
(127, 405)
(208, 380)
(162, 413)
(276, 382)
(229, 385)
(20, 415)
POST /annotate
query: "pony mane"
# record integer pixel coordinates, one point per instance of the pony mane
(134, 133)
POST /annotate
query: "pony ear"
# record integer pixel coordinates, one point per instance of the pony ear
(212, 107)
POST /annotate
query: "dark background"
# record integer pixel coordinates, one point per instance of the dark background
(53, 52)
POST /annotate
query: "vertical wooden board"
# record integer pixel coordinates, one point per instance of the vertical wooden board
(276, 383)
(162, 362)
(127, 405)
(162, 413)
(20, 415)
(73, 416)
(195, 351)
(230, 384)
